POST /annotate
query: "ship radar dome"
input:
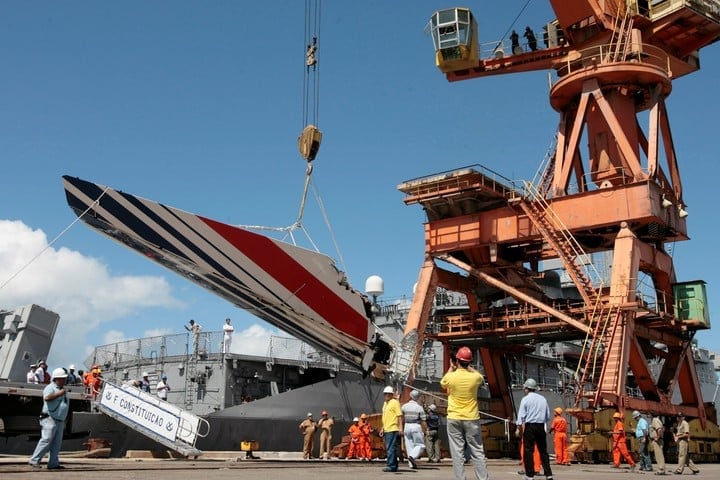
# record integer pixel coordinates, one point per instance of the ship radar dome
(374, 285)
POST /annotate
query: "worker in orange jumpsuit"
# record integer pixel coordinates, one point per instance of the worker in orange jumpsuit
(356, 434)
(536, 458)
(559, 428)
(93, 381)
(88, 376)
(365, 450)
(620, 444)
(97, 382)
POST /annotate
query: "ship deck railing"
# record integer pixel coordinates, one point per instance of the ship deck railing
(281, 350)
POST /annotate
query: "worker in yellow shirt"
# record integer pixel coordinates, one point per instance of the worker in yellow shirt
(462, 382)
(392, 421)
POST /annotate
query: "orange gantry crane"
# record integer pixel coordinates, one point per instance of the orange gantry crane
(619, 196)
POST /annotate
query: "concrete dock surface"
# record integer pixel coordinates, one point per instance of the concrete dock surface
(288, 466)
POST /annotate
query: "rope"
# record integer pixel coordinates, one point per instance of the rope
(329, 227)
(444, 398)
(512, 24)
(50, 244)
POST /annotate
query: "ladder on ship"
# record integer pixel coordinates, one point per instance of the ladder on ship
(157, 419)
(190, 375)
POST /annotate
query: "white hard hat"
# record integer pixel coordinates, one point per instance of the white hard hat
(432, 407)
(59, 373)
(356, 419)
(72, 366)
(414, 394)
(309, 414)
(145, 374)
(388, 389)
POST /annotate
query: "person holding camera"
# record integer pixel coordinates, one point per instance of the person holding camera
(52, 421)
(462, 382)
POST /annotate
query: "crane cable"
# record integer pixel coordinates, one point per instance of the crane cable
(311, 79)
(310, 137)
(311, 109)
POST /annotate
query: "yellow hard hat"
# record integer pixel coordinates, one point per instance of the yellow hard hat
(558, 410)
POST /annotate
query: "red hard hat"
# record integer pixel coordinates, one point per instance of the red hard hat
(464, 354)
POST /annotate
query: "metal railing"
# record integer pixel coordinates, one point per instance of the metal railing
(641, 53)
(141, 350)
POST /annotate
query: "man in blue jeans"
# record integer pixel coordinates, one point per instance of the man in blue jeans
(642, 433)
(533, 416)
(392, 420)
(52, 421)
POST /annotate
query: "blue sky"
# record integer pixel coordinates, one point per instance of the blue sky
(199, 104)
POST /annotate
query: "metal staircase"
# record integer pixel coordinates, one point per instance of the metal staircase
(569, 251)
(403, 361)
(546, 170)
(157, 419)
(614, 366)
(595, 352)
(620, 39)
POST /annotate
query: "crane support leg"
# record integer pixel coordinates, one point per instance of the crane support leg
(421, 307)
(628, 341)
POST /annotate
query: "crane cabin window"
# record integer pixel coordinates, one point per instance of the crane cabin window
(451, 28)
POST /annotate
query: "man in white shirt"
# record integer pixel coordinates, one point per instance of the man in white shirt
(31, 377)
(194, 328)
(40, 371)
(227, 336)
(163, 387)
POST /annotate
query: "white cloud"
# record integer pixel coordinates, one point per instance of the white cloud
(157, 332)
(252, 341)
(92, 303)
(79, 288)
(113, 336)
